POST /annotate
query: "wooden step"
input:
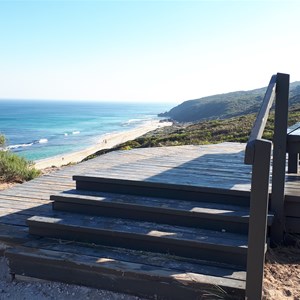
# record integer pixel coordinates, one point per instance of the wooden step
(215, 216)
(162, 190)
(178, 240)
(144, 274)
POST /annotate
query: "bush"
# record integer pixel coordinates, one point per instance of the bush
(2, 140)
(15, 169)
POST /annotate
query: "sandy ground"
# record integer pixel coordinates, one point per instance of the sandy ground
(282, 273)
(106, 142)
(6, 185)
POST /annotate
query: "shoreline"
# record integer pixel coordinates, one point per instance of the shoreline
(107, 141)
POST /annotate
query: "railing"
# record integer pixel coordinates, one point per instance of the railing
(259, 200)
(261, 120)
(279, 157)
(258, 154)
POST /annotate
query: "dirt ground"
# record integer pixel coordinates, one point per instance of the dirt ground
(282, 273)
(5, 185)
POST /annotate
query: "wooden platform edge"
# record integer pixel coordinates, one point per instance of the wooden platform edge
(168, 186)
(117, 276)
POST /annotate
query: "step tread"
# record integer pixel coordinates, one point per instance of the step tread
(152, 182)
(141, 230)
(140, 264)
(191, 207)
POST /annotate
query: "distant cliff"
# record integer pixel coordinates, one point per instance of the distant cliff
(225, 106)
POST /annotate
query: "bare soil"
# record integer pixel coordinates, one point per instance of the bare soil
(282, 272)
(6, 185)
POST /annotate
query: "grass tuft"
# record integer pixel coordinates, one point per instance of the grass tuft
(16, 169)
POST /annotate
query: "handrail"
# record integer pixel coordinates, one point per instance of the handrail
(279, 157)
(259, 201)
(258, 154)
(261, 120)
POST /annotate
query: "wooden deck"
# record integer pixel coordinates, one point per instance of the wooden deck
(214, 166)
(203, 166)
(218, 169)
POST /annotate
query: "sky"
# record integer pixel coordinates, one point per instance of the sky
(152, 51)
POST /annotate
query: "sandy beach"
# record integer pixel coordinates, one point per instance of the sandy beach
(105, 142)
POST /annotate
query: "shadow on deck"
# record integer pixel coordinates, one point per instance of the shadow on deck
(140, 222)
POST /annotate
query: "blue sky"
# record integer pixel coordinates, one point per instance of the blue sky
(144, 50)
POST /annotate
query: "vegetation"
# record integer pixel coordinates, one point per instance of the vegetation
(14, 168)
(2, 140)
(236, 129)
(225, 105)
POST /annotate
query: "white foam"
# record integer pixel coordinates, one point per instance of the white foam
(75, 132)
(133, 121)
(19, 146)
(43, 141)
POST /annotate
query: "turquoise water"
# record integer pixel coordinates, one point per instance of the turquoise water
(42, 129)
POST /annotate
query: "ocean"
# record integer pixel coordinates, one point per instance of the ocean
(43, 129)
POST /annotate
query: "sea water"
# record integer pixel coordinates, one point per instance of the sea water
(42, 129)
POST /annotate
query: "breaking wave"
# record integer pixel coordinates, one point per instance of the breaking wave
(24, 145)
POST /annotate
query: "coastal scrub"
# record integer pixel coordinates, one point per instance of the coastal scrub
(14, 168)
(2, 140)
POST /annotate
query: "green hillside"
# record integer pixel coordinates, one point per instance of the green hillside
(236, 129)
(225, 106)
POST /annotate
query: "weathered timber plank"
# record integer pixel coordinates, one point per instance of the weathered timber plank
(39, 191)
(188, 242)
(115, 275)
(54, 178)
(24, 205)
(238, 225)
(193, 163)
(227, 173)
(13, 234)
(31, 199)
(144, 228)
(54, 185)
(201, 206)
(13, 219)
(26, 197)
(213, 216)
(179, 179)
(160, 260)
(30, 211)
(162, 190)
(205, 169)
(166, 185)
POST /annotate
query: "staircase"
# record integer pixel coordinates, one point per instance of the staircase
(153, 240)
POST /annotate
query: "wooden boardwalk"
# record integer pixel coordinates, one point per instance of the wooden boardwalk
(215, 166)
(217, 169)
(210, 166)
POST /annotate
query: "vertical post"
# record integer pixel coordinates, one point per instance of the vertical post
(258, 219)
(279, 157)
(293, 162)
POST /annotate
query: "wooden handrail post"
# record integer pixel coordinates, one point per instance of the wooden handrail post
(258, 219)
(279, 157)
(261, 120)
